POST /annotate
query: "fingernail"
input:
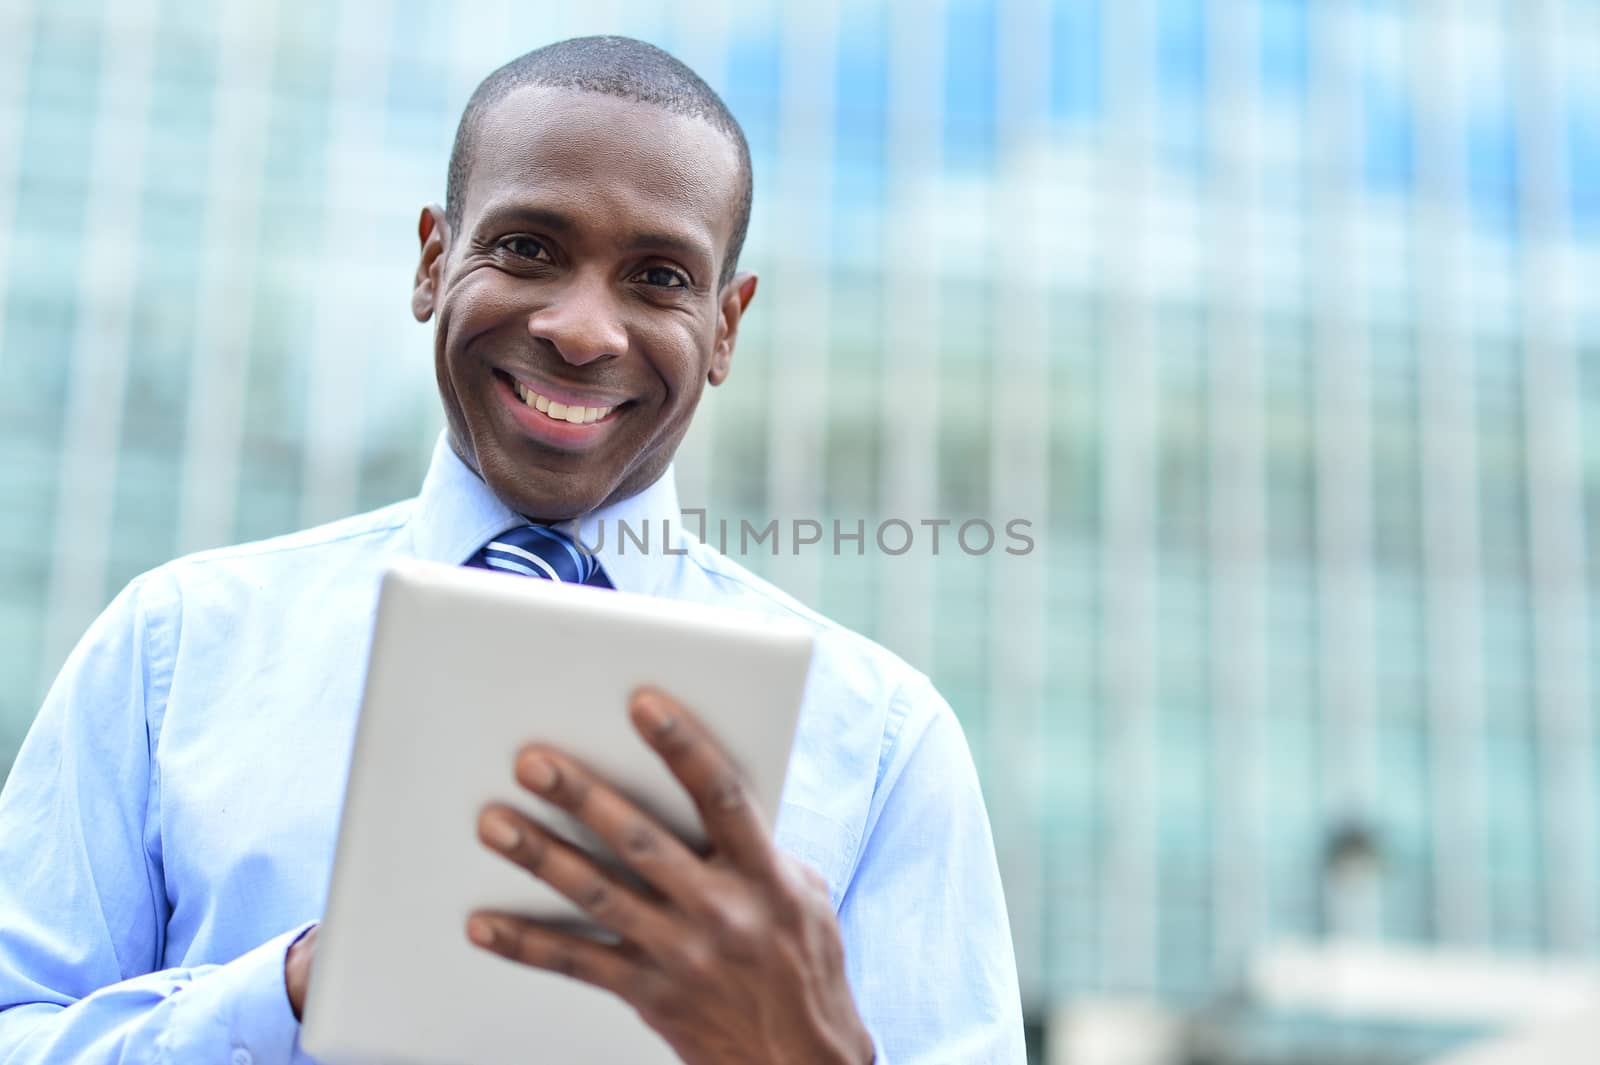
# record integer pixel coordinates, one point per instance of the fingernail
(538, 772)
(480, 931)
(501, 832)
(652, 715)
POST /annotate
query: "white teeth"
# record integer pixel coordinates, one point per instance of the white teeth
(560, 411)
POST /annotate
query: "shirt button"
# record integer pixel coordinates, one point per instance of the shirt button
(241, 1056)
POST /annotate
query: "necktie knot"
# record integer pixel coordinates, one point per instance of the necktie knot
(540, 551)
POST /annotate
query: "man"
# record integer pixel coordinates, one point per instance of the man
(167, 830)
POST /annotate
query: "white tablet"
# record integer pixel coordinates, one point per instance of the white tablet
(468, 666)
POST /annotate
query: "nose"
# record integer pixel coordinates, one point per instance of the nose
(582, 322)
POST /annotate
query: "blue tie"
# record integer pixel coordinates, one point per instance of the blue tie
(540, 551)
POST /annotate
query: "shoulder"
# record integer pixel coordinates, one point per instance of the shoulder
(301, 553)
(209, 592)
(874, 732)
(866, 663)
(271, 573)
(351, 535)
(857, 686)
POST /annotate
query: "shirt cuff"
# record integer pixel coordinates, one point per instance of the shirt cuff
(248, 996)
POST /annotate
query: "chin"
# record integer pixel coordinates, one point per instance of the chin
(543, 504)
(547, 496)
(535, 485)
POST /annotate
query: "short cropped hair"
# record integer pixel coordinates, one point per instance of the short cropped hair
(611, 66)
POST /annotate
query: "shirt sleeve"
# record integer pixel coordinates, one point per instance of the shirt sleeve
(928, 943)
(83, 906)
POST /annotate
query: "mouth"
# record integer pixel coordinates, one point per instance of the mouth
(567, 420)
(553, 409)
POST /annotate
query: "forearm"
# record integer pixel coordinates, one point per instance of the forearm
(222, 1009)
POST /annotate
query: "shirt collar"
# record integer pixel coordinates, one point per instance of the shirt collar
(456, 514)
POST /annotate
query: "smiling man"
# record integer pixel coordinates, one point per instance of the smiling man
(166, 833)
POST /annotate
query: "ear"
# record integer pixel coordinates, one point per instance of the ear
(736, 297)
(434, 236)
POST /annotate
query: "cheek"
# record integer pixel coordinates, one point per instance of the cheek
(681, 358)
(478, 303)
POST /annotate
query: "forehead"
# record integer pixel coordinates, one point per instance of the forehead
(606, 162)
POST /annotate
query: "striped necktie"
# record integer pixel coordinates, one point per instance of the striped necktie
(540, 551)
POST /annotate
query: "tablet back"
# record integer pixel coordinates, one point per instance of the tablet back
(466, 667)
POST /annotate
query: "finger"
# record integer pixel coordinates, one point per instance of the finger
(575, 876)
(650, 850)
(726, 806)
(531, 943)
(812, 879)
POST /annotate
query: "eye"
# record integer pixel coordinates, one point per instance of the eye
(662, 277)
(525, 248)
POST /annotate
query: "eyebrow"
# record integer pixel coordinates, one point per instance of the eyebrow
(561, 224)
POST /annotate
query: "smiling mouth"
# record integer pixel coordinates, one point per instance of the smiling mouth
(558, 412)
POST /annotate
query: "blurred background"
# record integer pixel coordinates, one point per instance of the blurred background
(1274, 317)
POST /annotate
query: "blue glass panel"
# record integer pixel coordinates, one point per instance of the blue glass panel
(1180, 76)
(1492, 166)
(753, 86)
(861, 113)
(1388, 151)
(1583, 166)
(1076, 68)
(1181, 48)
(969, 80)
(1284, 61)
(419, 109)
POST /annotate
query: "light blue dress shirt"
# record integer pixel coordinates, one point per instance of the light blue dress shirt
(168, 828)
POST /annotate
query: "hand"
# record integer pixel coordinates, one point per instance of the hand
(297, 969)
(735, 957)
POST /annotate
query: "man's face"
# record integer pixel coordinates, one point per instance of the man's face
(579, 315)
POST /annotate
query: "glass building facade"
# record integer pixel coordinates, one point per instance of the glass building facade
(1273, 319)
